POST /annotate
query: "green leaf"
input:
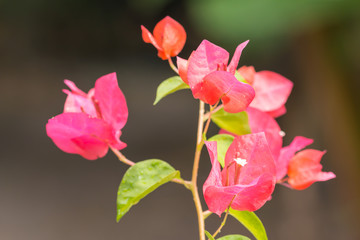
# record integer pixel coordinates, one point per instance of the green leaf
(234, 237)
(251, 222)
(169, 86)
(223, 143)
(239, 77)
(140, 180)
(209, 235)
(233, 122)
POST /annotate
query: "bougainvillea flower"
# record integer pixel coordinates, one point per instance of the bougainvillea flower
(91, 122)
(248, 178)
(81, 134)
(262, 122)
(168, 38)
(305, 169)
(272, 91)
(211, 78)
(286, 153)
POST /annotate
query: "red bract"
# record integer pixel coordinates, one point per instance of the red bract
(286, 153)
(169, 37)
(211, 78)
(305, 169)
(90, 122)
(272, 90)
(248, 178)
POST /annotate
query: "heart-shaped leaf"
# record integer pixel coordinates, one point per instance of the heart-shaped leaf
(169, 86)
(251, 222)
(140, 180)
(236, 123)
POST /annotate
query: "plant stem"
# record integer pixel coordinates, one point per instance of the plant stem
(206, 214)
(222, 223)
(194, 189)
(212, 109)
(172, 65)
(123, 159)
(207, 115)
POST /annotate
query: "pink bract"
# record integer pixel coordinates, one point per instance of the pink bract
(211, 78)
(305, 169)
(81, 134)
(78, 101)
(169, 37)
(272, 91)
(91, 122)
(248, 178)
(262, 122)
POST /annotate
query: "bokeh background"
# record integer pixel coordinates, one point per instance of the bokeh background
(47, 194)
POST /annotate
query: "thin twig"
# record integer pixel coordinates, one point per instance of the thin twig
(172, 65)
(223, 222)
(206, 115)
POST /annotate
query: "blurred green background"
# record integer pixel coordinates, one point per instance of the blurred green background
(48, 194)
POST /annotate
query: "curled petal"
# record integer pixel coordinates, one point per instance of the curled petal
(111, 101)
(272, 91)
(286, 153)
(305, 169)
(74, 88)
(78, 101)
(235, 60)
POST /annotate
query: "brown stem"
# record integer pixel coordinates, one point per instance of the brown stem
(222, 223)
(207, 115)
(194, 189)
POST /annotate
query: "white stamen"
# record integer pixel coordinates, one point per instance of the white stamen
(240, 161)
(282, 133)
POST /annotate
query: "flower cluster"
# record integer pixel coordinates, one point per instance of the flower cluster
(248, 157)
(91, 122)
(262, 95)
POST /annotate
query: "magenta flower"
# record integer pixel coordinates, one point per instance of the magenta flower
(91, 122)
(300, 174)
(272, 90)
(247, 179)
(211, 78)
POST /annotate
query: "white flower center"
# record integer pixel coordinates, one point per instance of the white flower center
(240, 161)
(282, 133)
